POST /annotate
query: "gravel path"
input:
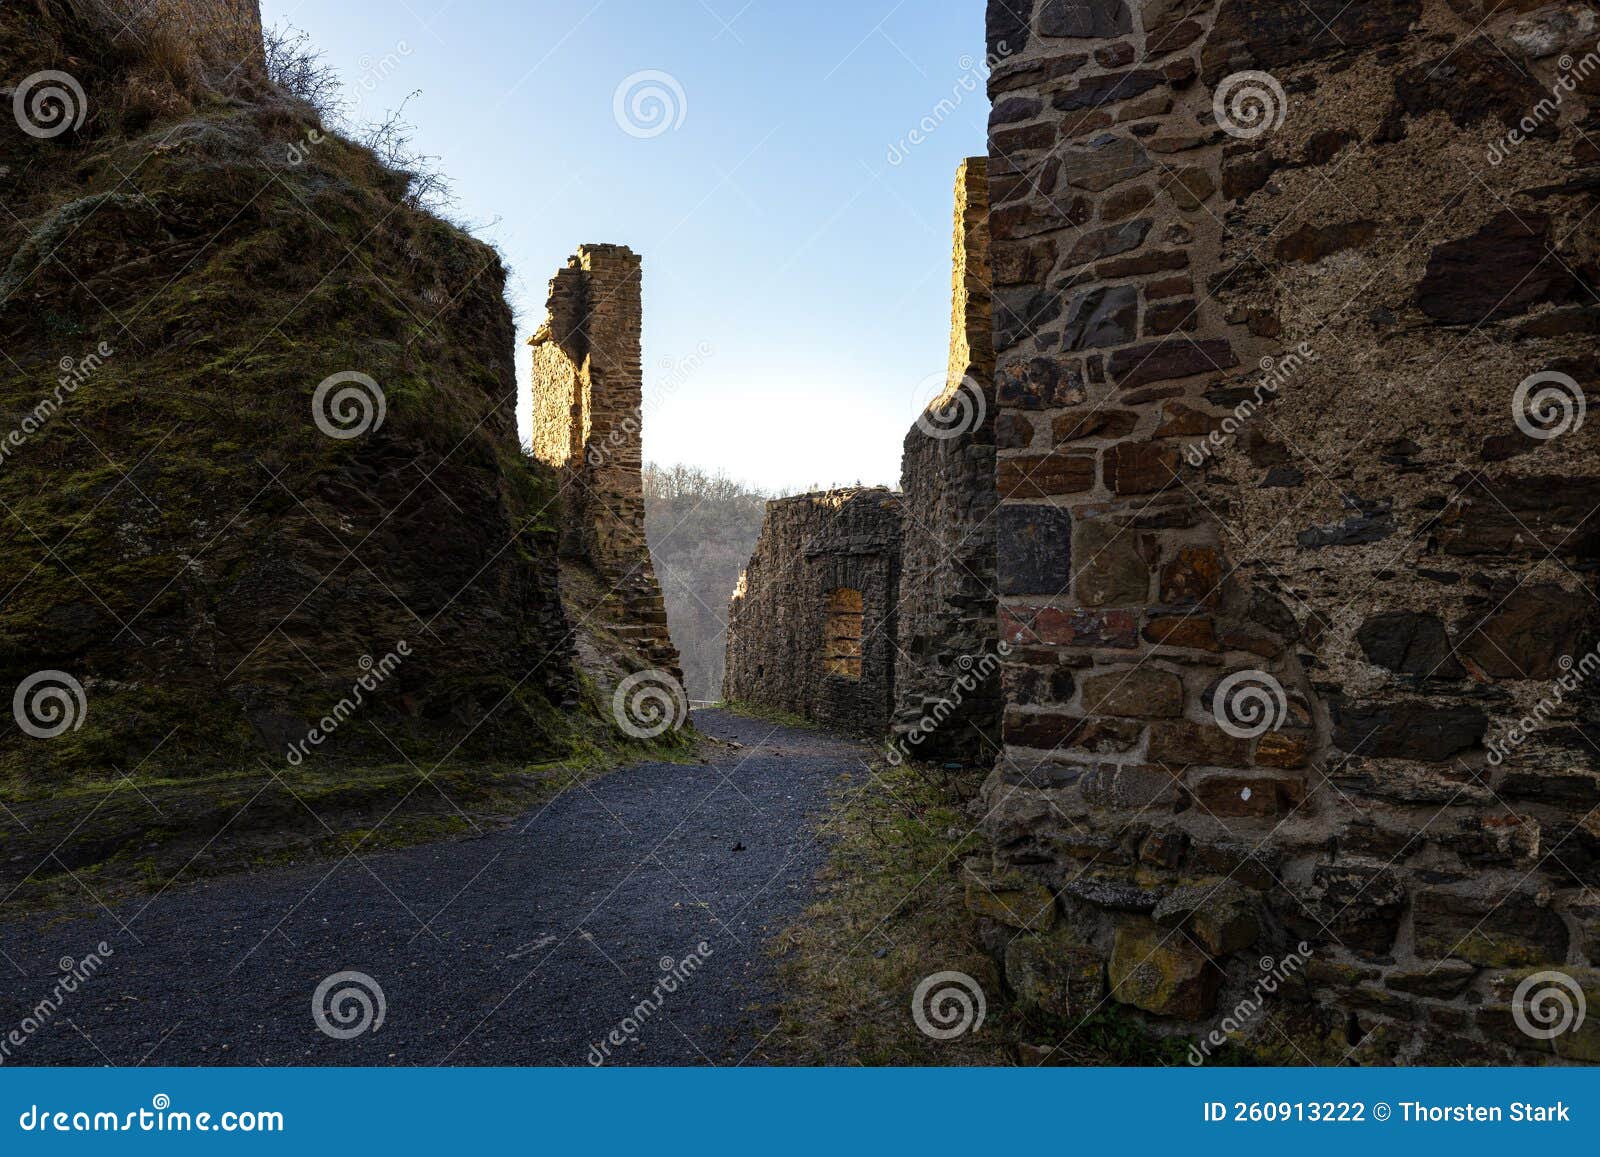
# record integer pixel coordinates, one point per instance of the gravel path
(527, 946)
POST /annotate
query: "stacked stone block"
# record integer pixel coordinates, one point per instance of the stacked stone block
(947, 585)
(1257, 386)
(810, 547)
(588, 387)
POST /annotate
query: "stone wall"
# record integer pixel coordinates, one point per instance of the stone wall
(588, 387)
(1282, 566)
(947, 585)
(810, 547)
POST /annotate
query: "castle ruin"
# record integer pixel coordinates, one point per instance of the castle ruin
(1293, 334)
(1286, 557)
(811, 630)
(588, 384)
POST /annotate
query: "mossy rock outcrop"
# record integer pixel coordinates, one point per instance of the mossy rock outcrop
(179, 531)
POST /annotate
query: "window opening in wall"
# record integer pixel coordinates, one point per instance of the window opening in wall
(842, 652)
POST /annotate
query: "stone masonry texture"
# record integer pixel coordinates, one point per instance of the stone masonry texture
(947, 584)
(810, 547)
(588, 387)
(1256, 395)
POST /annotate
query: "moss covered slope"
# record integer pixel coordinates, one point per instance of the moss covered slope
(180, 535)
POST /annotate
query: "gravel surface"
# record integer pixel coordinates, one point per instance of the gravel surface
(527, 946)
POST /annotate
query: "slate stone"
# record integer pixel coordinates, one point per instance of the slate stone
(1408, 730)
(1529, 634)
(1035, 550)
(1089, 19)
(1409, 643)
(1102, 317)
(1498, 272)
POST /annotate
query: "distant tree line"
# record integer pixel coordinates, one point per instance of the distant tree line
(702, 529)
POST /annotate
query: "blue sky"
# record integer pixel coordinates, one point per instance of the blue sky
(797, 296)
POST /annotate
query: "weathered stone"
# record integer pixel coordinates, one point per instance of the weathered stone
(1361, 530)
(1260, 796)
(1360, 904)
(1184, 743)
(1174, 317)
(1109, 242)
(1500, 271)
(1162, 973)
(1142, 467)
(1009, 25)
(1409, 643)
(1056, 976)
(1222, 916)
(1046, 475)
(1114, 565)
(1141, 693)
(1097, 423)
(1168, 360)
(1101, 91)
(1505, 929)
(1192, 577)
(1444, 981)
(1471, 83)
(1125, 203)
(1286, 750)
(1107, 161)
(1091, 19)
(1196, 632)
(1269, 34)
(1101, 317)
(1035, 549)
(1189, 187)
(1049, 731)
(1041, 384)
(1408, 730)
(1031, 625)
(1021, 313)
(1531, 632)
(1014, 900)
(1311, 243)
(1135, 788)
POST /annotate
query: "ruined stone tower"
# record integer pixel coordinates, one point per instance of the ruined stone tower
(587, 423)
(947, 584)
(1288, 556)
